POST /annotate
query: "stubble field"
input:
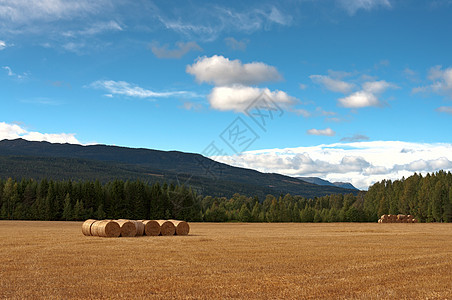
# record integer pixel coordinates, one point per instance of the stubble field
(221, 261)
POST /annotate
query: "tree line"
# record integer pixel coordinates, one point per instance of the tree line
(428, 198)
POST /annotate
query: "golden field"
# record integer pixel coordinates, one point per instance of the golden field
(229, 261)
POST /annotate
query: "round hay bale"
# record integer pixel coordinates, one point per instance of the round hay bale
(166, 227)
(384, 217)
(139, 226)
(151, 227)
(182, 227)
(400, 217)
(107, 228)
(94, 227)
(128, 228)
(86, 227)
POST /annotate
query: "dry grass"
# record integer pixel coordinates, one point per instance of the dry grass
(252, 261)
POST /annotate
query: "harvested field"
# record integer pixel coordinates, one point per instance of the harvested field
(253, 261)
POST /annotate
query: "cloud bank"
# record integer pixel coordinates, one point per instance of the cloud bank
(361, 163)
(15, 131)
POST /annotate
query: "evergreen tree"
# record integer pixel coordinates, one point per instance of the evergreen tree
(67, 208)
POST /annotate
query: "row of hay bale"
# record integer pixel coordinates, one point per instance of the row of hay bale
(397, 219)
(131, 228)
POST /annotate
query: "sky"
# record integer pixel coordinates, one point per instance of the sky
(353, 91)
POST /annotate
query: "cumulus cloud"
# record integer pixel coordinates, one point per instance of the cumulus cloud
(237, 98)
(361, 163)
(352, 6)
(2, 45)
(325, 132)
(127, 89)
(333, 84)
(181, 49)
(15, 131)
(441, 82)
(222, 71)
(368, 96)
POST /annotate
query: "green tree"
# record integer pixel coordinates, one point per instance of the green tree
(244, 214)
(67, 208)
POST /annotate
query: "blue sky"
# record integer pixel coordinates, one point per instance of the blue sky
(353, 91)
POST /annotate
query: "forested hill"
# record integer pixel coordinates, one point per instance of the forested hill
(24, 159)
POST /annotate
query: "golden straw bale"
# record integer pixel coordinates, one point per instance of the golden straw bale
(182, 227)
(166, 227)
(139, 227)
(93, 229)
(86, 227)
(384, 217)
(107, 228)
(151, 227)
(128, 228)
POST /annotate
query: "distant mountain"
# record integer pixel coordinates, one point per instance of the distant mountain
(319, 181)
(24, 159)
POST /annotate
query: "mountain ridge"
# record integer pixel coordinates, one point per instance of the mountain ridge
(71, 161)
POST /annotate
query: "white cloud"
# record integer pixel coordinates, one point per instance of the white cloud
(352, 6)
(368, 96)
(2, 45)
(222, 71)
(10, 73)
(15, 131)
(181, 50)
(445, 109)
(332, 84)
(359, 99)
(127, 89)
(235, 44)
(441, 82)
(361, 163)
(325, 132)
(237, 98)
